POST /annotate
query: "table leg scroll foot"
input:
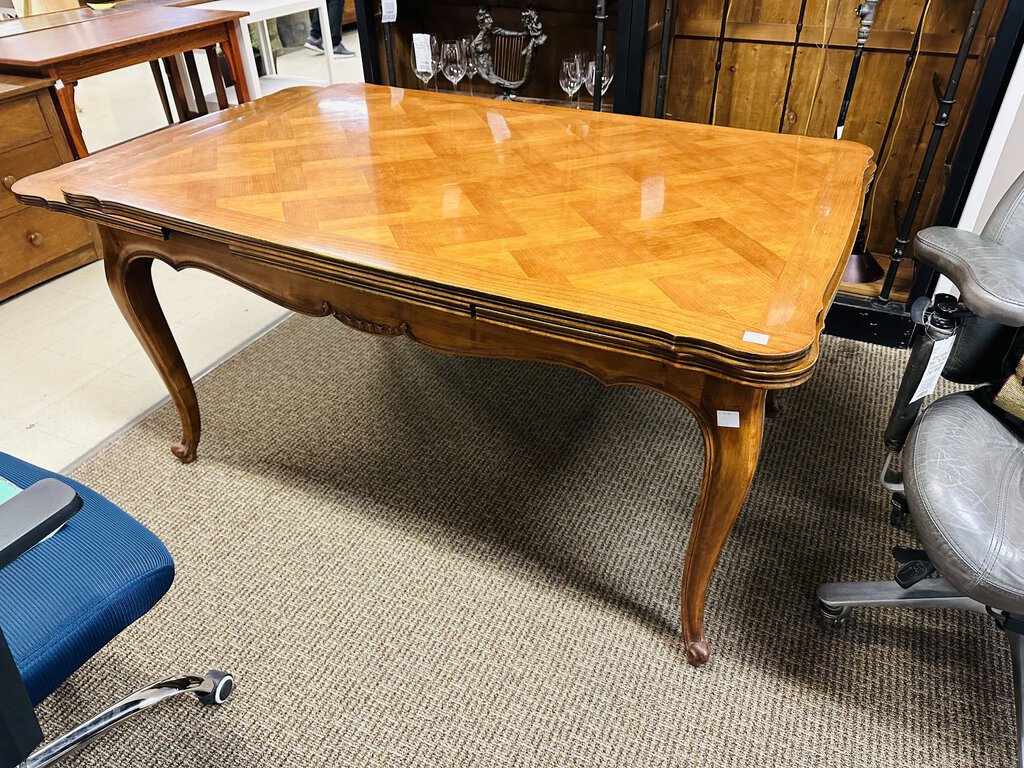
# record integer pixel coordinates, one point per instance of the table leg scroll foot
(731, 418)
(698, 652)
(128, 264)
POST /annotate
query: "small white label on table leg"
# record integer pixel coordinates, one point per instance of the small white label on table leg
(59, 85)
(755, 338)
(728, 419)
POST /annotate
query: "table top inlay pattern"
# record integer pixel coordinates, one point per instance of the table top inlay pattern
(687, 234)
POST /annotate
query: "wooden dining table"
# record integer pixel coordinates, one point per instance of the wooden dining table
(67, 46)
(694, 260)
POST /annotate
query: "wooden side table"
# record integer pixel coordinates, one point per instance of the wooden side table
(67, 53)
(35, 245)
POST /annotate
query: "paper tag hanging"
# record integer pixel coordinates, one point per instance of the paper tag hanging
(940, 354)
(421, 50)
(389, 11)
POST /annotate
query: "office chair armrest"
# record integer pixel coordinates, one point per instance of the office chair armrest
(32, 515)
(990, 276)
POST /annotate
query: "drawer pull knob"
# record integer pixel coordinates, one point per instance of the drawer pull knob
(35, 238)
(9, 181)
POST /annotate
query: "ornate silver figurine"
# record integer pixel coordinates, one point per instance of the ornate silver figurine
(505, 57)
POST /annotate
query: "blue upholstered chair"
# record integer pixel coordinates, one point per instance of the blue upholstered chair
(66, 595)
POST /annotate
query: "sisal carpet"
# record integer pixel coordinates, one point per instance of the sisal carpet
(409, 559)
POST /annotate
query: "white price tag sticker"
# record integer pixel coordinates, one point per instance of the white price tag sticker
(755, 338)
(421, 52)
(652, 197)
(58, 85)
(499, 128)
(940, 354)
(729, 419)
(389, 11)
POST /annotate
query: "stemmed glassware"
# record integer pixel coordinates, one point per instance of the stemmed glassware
(607, 76)
(471, 67)
(426, 57)
(570, 77)
(453, 62)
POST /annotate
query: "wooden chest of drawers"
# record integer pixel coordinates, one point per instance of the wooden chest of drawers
(35, 245)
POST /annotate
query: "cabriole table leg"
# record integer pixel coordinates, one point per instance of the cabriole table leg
(731, 418)
(128, 263)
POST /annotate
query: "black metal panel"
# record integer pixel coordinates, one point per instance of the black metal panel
(366, 24)
(859, 318)
(629, 55)
(19, 729)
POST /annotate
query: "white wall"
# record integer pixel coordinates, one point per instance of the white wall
(1003, 160)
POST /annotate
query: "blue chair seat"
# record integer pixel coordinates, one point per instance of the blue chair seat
(71, 594)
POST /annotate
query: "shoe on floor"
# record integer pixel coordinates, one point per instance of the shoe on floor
(343, 52)
(314, 44)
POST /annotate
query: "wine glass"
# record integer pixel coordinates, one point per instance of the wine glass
(606, 76)
(570, 77)
(453, 62)
(425, 56)
(582, 59)
(471, 67)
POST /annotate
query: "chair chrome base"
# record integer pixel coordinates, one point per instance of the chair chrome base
(835, 601)
(212, 688)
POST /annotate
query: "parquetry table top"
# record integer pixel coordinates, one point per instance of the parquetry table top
(690, 239)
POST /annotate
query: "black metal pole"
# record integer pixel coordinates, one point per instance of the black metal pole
(941, 121)
(366, 23)
(865, 267)
(937, 326)
(667, 32)
(718, 59)
(601, 15)
(629, 56)
(389, 52)
(792, 63)
(866, 11)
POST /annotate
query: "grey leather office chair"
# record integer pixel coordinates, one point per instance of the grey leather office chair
(962, 478)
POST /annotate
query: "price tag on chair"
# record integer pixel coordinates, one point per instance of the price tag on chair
(940, 354)
(389, 11)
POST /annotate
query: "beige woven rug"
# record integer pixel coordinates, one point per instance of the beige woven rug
(409, 559)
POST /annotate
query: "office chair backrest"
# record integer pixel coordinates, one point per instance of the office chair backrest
(986, 352)
(1006, 225)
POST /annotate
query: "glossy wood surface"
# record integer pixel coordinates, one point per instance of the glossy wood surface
(67, 47)
(769, 80)
(39, 21)
(103, 33)
(13, 85)
(637, 251)
(690, 235)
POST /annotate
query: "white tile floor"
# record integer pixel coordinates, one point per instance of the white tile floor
(72, 375)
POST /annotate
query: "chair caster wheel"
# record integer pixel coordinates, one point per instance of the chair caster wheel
(833, 617)
(223, 685)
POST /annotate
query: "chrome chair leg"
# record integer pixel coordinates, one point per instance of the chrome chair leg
(835, 600)
(212, 688)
